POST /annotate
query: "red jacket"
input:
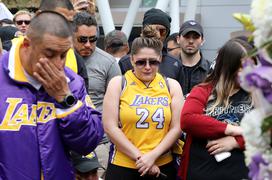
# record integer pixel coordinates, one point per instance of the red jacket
(195, 123)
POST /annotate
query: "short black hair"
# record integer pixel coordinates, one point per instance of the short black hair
(83, 18)
(6, 21)
(49, 22)
(172, 37)
(53, 4)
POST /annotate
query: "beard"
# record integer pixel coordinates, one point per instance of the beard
(190, 52)
(86, 52)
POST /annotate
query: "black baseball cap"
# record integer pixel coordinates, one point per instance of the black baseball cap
(85, 164)
(190, 26)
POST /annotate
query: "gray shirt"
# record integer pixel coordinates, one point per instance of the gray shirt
(101, 67)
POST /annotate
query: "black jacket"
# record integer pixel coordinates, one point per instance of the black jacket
(81, 69)
(199, 73)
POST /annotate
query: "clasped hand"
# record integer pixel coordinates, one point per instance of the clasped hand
(145, 164)
(52, 78)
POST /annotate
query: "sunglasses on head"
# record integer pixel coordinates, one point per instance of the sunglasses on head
(20, 22)
(85, 39)
(150, 61)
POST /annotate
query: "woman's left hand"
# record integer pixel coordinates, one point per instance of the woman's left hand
(145, 162)
(223, 144)
(154, 171)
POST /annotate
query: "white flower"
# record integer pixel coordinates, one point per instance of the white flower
(255, 143)
(261, 13)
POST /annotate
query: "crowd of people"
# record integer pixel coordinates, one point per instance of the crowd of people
(155, 109)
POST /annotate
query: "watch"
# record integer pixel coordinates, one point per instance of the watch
(69, 100)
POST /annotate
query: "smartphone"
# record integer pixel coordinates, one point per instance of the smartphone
(162, 176)
(221, 156)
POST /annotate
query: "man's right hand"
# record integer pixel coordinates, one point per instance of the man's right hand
(52, 79)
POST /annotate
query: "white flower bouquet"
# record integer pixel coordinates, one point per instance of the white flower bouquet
(257, 125)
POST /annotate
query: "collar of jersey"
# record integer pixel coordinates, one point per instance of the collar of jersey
(142, 84)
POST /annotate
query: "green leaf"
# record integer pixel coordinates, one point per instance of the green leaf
(269, 50)
(245, 20)
(267, 124)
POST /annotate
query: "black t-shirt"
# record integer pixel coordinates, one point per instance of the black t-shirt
(188, 70)
(202, 165)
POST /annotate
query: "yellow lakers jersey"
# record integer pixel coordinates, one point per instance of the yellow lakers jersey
(71, 61)
(145, 117)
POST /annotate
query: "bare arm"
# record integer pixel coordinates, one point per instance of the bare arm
(147, 160)
(223, 144)
(110, 119)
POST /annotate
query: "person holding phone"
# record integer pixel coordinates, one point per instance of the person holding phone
(211, 120)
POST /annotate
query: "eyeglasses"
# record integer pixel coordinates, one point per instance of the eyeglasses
(85, 39)
(150, 61)
(171, 49)
(20, 22)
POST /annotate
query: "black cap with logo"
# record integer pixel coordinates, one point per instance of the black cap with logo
(85, 164)
(190, 26)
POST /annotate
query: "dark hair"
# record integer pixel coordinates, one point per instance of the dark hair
(115, 46)
(6, 21)
(59, 26)
(53, 4)
(115, 41)
(7, 33)
(228, 62)
(172, 37)
(149, 39)
(83, 18)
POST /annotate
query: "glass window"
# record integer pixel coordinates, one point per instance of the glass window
(119, 3)
(126, 3)
(149, 3)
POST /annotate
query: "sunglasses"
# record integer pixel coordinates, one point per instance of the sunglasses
(171, 49)
(151, 62)
(20, 22)
(85, 39)
(163, 31)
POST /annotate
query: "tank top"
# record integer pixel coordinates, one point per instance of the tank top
(144, 118)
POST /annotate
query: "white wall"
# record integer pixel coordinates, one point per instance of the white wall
(215, 17)
(218, 22)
